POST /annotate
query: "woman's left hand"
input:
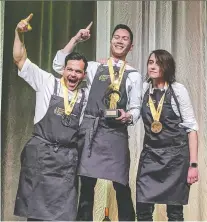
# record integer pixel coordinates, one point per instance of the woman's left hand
(192, 175)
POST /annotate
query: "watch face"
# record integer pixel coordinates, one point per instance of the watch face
(194, 165)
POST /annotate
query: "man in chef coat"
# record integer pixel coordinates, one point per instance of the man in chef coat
(104, 140)
(48, 183)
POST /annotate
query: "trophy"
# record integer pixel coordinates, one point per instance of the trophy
(113, 95)
(111, 98)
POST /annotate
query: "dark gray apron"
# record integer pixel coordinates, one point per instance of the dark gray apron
(48, 182)
(164, 161)
(104, 144)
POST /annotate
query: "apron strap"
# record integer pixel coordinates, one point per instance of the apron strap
(82, 99)
(90, 134)
(55, 87)
(176, 101)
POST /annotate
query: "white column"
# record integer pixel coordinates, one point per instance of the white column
(103, 36)
(165, 41)
(205, 36)
(204, 7)
(152, 26)
(2, 3)
(103, 29)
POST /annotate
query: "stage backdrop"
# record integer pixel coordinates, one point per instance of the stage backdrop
(178, 26)
(54, 23)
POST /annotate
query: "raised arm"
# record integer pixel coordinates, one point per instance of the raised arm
(59, 60)
(81, 36)
(19, 50)
(31, 73)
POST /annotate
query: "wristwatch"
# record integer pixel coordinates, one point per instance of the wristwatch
(194, 165)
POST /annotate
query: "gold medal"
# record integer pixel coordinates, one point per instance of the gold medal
(156, 127)
(68, 106)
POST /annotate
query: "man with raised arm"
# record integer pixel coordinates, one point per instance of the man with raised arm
(114, 91)
(48, 183)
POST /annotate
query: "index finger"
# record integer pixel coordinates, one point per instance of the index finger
(29, 17)
(89, 26)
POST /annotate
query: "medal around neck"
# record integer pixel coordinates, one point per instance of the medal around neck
(156, 126)
(66, 120)
(68, 106)
(113, 94)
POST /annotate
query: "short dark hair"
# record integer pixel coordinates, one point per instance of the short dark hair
(76, 56)
(122, 26)
(166, 63)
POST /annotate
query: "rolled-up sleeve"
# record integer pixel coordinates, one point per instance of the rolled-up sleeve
(33, 75)
(59, 62)
(186, 109)
(134, 93)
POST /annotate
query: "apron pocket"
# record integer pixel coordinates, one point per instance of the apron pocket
(57, 164)
(72, 166)
(51, 195)
(29, 154)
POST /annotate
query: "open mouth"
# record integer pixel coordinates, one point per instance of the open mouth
(72, 83)
(119, 47)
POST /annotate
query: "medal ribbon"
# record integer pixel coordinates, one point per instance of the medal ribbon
(156, 113)
(115, 83)
(68, 106)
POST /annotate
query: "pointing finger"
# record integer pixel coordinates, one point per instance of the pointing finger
(29, 17)
(89, 26)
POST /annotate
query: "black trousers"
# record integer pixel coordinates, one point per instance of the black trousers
(123, 197)
(145, 211)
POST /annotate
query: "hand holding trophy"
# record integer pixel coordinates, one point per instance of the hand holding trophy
(111, 98)
(113, 94)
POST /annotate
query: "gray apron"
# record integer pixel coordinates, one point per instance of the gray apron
(48, 182)
(104, 144)
(164, 161)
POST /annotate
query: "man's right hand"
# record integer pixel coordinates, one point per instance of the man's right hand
(19, 50)
(83, 34)
(23, 25)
